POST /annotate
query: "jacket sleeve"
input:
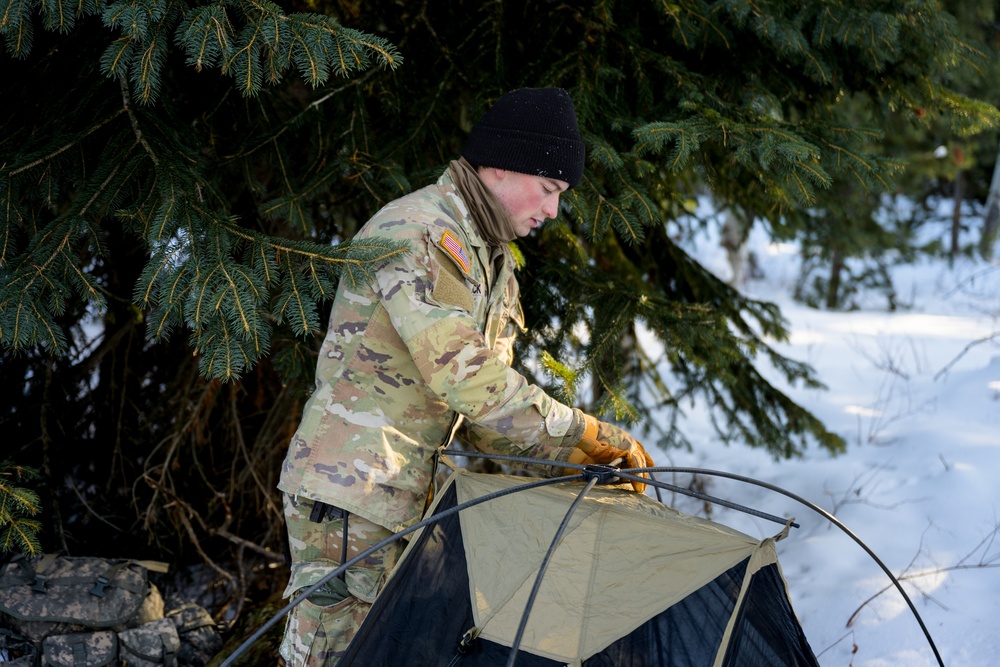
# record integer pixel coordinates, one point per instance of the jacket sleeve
(453, 358)
(485, 440)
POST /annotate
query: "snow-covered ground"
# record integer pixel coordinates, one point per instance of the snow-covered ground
(920, 481)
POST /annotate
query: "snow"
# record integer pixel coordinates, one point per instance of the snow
(917, 400)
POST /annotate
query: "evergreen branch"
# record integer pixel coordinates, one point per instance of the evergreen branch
(202, 289)
(58, 15)
(117, 56)
(654, 136)
(40, 270)
(623, 221)
(669, 10)
(567, 376)
(293, 294)
(16, 27)
(826, 76)
(805, 192)
(646, 206)
(164, 215)
(84, 280)
(146, 69)
(387, 249)
(340, 56)
(604, 153)
(103, 186)
(247, 56)
(240, 309)
(127, 105)
(206, 35)
(87, 8)
(174, 305)
(54, 337)
(65, 147)
(974, 56)
(161, 266)
(16, 500)
(968, 116)
(315, 67)
(265, 264)
(317, 280)
(13, 14)
(21, 535)
(389, 56)
(853, 157)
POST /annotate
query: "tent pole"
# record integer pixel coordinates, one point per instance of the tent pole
(748, 480)
(297, 600)
(652, 481)
(822, 512)
(545, 564)
(592, 474)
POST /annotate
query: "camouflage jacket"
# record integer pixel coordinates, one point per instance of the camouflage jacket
(409, 357)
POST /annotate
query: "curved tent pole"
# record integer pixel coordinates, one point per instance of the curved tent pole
(587, 472)
(816, 508)
(297, 600)
(624, 474)
(652, 482)
(594, 478)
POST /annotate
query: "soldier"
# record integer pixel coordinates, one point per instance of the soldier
(423, 350)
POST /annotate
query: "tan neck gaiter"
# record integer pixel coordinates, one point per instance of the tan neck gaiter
(492, 220)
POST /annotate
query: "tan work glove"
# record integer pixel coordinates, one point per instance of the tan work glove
(603, 443)
(577, 456)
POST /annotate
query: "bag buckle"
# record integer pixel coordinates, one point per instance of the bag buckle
(39, 584)
(99, 586)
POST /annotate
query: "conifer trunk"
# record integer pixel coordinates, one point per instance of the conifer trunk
(833, 287)
(956, 215)
(991, 220)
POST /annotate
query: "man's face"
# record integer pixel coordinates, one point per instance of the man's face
(528, 199)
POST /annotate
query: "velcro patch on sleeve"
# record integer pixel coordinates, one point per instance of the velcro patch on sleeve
(454, 247)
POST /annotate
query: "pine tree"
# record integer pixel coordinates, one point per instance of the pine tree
(187, 177)
(18, 531)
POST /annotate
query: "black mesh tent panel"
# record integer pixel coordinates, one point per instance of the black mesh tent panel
(424, 611)
(766, 632)
(687, 634)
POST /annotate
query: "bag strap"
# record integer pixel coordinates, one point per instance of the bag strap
(35, 574)
(168, 657)
(79, 653)
(104, 580)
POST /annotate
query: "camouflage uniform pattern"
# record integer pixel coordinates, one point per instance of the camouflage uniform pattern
(88, 648)
(65, 603)
(319, 629)
(408, 358)
(198, 634)
(150, 645)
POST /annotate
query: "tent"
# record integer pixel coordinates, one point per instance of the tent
(630, 582)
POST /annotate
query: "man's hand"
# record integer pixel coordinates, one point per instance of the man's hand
(577, 456)
(603, 443)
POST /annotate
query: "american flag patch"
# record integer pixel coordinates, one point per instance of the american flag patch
(454, 248)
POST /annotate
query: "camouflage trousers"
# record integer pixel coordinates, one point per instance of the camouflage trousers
(319, 629)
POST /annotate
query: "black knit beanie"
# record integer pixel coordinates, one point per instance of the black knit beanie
(530, 131)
